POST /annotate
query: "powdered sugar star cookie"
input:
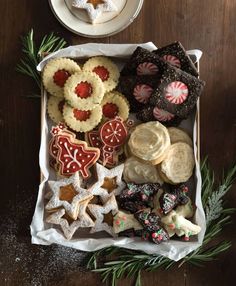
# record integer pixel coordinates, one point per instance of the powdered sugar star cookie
(67, 193)
(104, 216)
(109, 182)
(95, 7)
(59, 217)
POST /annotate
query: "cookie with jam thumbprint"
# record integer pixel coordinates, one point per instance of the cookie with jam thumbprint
(84, 90)
(176, 55)
(115, 104)
(143, 63)
(55, 108)
(82, 120)
(177, 93)
(55, 74)
(107, 71)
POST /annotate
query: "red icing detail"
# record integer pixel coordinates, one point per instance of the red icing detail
(83, 89)
(81, 115)
(113, 133)
(154, 235)
(172, 226)
(186, 238)
(102, 72)
(60, 77)
(185, 190)
(124, 217)
(146, 221)
(159, 237)
(110, 110)
(75, 156)
(117, 222)
(61, 105)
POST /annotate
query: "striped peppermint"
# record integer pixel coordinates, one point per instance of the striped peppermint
(174, 61)
(176, 92)
(162, 115)
(147, 68)
(142, 93)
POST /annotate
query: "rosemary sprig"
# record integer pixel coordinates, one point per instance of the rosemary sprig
(131, 263)
(33, 53)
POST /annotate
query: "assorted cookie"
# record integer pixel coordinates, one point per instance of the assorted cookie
(119, 172)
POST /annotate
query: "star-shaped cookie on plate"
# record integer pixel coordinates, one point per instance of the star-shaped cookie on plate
(95, 8)
(103, 216)
(69, 194)
(109, 182)
(68, 225)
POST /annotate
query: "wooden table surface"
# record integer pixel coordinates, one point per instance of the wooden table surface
(209, 25)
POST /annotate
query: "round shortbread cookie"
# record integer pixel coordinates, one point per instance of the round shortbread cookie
(82, 120)
(150, 142)
(84, 90)
(115, 104)
(178, 135)
(140, 172)
(55, 108)
(105, 69)
(179, 163)
(55, 74)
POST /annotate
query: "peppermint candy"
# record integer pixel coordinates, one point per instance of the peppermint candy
(176, 92)
(162, 115)
(147, 68)
(142, 93)
(174, 61)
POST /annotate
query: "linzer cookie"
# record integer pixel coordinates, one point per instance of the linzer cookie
(143, 63)
(177, 93)
(138, 90)
(150, 142)
(115, 104)
(55, 74)
(178, 163)
(84, 90)
(105, 69)
(55, 108)
(176, 55)
(151, 113)
(82, 120)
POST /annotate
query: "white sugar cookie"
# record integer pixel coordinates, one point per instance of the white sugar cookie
(178, 135)
(55, 108)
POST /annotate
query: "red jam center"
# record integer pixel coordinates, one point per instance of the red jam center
(110, 110)
(61, 105)
(81, 115)
(60, 77)
(83, 89)
(102, 72)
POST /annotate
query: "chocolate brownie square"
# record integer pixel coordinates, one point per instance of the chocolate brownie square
(137, 89)
(142, 63)
(177, 93)
(152, 113)
(176, 55)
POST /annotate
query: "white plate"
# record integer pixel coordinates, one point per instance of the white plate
(68, 17)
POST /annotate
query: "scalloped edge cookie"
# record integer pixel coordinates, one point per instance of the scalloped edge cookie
(100, 61)
(51, 68)
(53, 108)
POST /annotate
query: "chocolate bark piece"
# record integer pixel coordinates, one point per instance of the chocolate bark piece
(138, 89)
(176, 55)
(144, 62)
(151, 113)
(177, 196)
(177, 93)
(137, 197)
(153, 230)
